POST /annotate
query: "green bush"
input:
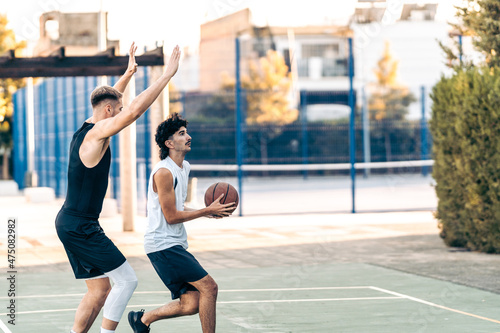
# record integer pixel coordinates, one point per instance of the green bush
(465, 126)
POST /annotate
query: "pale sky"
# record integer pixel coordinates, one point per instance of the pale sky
(178, 22)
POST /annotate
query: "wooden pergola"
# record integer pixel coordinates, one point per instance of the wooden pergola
(58, 64)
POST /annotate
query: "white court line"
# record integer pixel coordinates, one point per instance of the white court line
(4, 328)
(220, 291)
(311, 300)
(396, 295)
(232, 302)
(434, 304)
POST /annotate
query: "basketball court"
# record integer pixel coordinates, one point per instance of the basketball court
(300, 298)
(297, 272)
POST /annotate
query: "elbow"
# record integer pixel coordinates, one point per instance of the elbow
(173, 219)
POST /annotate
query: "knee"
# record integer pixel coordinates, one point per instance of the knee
(189, 308)
(133, 283)
(128, 286)
(212, 289)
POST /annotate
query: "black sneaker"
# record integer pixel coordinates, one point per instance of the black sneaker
(134, 319)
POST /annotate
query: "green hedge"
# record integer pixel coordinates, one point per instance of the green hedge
(465, 126)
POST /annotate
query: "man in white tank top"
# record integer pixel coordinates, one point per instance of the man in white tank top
(165, 242)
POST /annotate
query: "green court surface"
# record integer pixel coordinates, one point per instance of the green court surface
(305, 298)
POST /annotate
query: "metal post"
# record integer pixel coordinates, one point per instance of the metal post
(57, 149)
(423, 133)
(352, 141)
(183, 103)
(75, 106)
(239, 136)
(460, 48)
(303, 122)
(366, 133)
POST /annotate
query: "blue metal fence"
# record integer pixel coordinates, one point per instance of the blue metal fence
(63, 104)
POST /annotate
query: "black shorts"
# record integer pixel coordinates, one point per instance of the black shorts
(176, 267)
(90, 252)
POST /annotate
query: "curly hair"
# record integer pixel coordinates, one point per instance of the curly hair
(166, 129)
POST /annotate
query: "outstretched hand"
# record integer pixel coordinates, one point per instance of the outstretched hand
(132, 65)
(173, 63)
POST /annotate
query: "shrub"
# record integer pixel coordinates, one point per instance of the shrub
(465, 126)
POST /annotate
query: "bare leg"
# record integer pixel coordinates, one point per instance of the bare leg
(208, 297)
(187, 305)
(91, 304)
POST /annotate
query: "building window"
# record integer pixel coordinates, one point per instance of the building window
(320, 51)
(321, 60)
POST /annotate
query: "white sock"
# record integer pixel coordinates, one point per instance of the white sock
(103, 330)
(72, 331)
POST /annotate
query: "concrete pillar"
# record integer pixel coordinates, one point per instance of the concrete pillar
(128, 173)
(31, 177)
(159, 112)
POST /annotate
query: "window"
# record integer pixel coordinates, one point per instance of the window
(320, 50)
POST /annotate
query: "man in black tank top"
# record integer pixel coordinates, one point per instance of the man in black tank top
(92, 255)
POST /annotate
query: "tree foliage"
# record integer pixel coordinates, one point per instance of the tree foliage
(479, 19)
(268, 84)
(466, 139)
(388, 100)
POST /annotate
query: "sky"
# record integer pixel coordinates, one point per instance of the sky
(178, 22)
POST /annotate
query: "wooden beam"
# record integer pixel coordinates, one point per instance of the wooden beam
(59, 65)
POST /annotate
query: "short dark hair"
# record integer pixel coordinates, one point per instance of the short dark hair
(102, 93)
(166, 129)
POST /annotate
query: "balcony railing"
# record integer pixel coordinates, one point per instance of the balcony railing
(316, 68)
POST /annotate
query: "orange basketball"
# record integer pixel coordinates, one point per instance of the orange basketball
(215, 190)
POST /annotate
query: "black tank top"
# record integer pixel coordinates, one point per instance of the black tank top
(86, 186)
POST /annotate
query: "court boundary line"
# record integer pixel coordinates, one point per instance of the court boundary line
(395, 295)
(220, 291)
(4, 327)
(234, 302)
(415, 299)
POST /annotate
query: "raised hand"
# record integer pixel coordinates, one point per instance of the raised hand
(132, 65)
(173, 63)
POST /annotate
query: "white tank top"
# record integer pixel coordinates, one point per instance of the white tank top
(159, 234)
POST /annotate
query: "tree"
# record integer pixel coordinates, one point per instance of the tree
(7, 88)
(389, 101)
(481, 20)
(465, 132)
(268, 86)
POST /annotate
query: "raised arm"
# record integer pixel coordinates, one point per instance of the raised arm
(111, 126)
(131, 70)
(163, 184)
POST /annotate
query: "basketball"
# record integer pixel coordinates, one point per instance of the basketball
(215, 190)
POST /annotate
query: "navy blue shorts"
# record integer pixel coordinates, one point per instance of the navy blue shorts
(90, 252)
(176, 267)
